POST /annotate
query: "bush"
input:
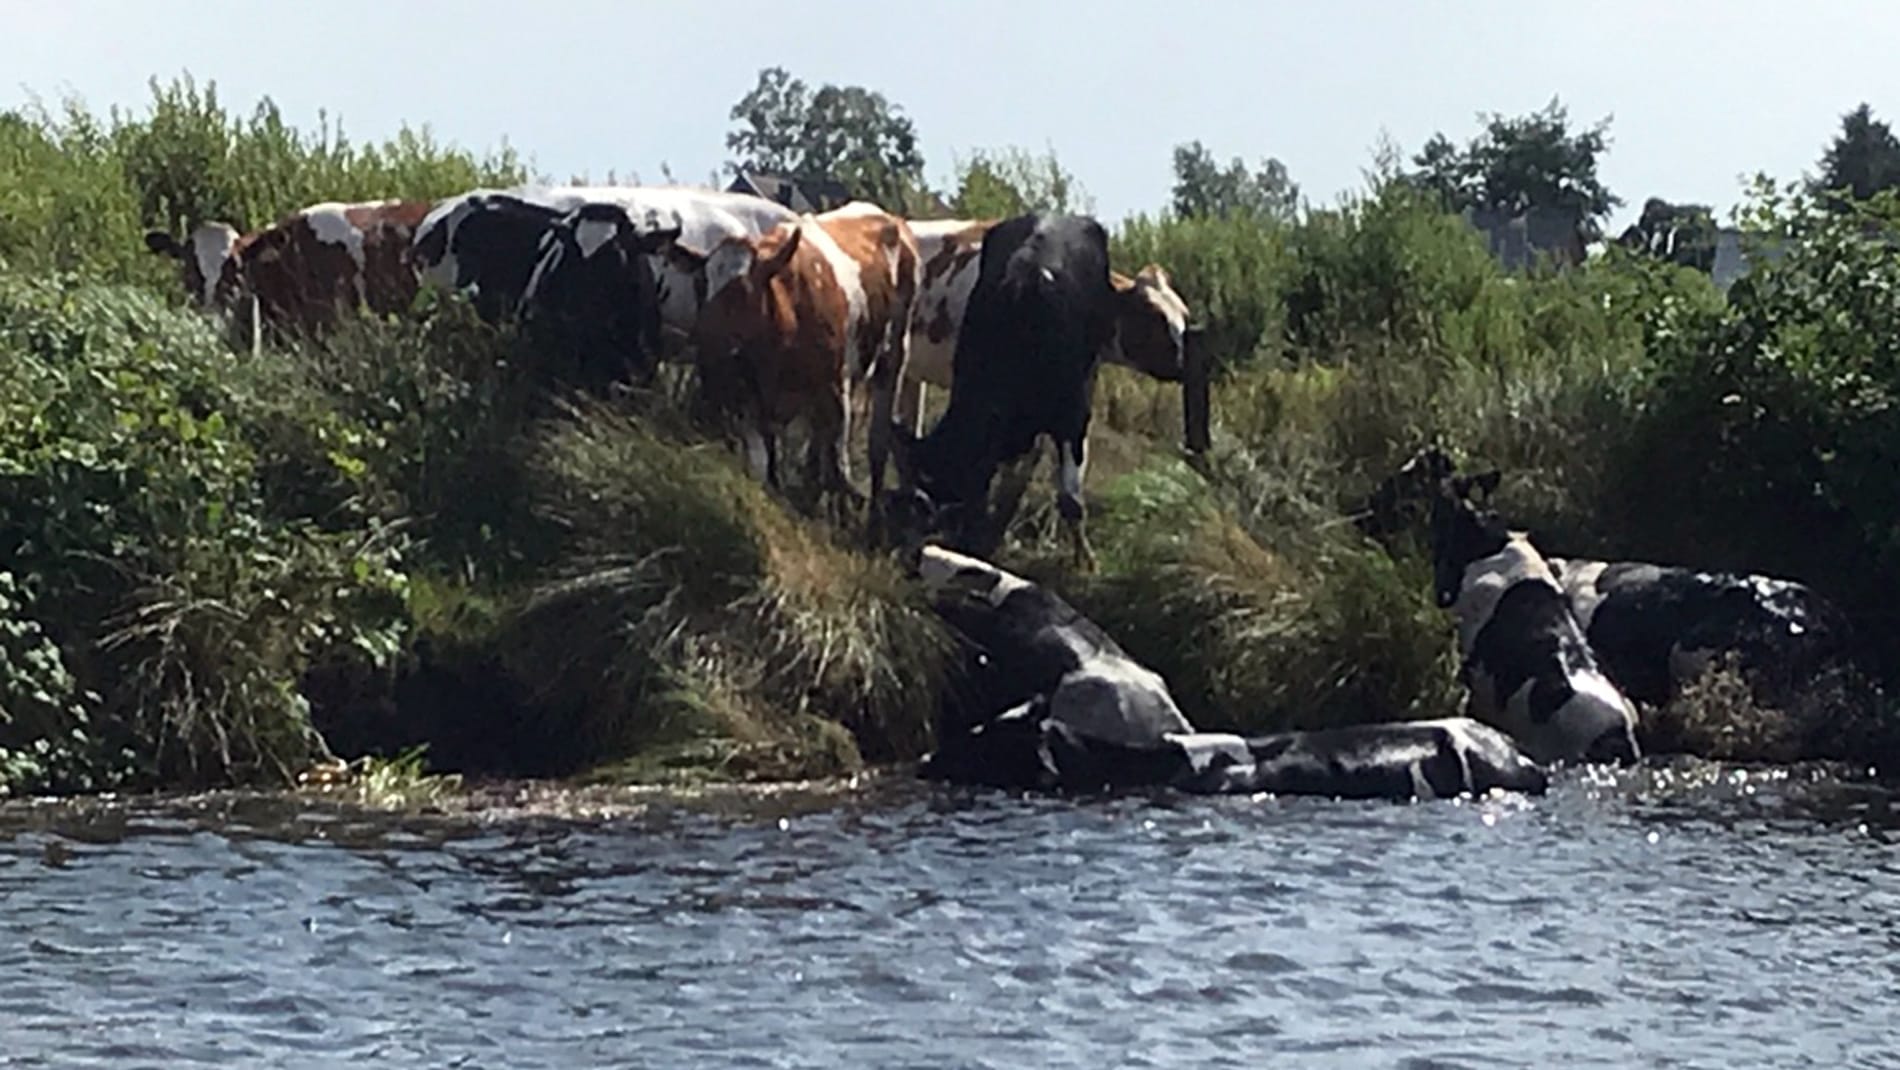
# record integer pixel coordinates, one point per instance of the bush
(130, 491)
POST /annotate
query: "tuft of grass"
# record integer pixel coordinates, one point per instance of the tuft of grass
(402, 782)
(1255, 629)
(687, 601)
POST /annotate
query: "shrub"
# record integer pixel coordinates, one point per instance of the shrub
(130, 492)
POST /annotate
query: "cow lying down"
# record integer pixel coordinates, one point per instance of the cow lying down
(1655, 627)
(1078, 714)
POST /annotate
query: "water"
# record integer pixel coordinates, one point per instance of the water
(1715, 919)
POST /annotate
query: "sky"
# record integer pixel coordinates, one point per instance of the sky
(1701, 93)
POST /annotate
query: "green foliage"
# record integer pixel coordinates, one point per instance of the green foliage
(1202, 187)
(1259, 625)
(78, 192)
(845, 132)
(1001, 183)
(1864, 159)
(47, 738)
(132, 494)
(1523, 163)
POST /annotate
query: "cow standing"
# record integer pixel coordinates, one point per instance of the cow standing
(487, 241)
(1525, 659)
(305, 270)
(1151, 319)
(794, 319)
(1039, 316)
(590, 298)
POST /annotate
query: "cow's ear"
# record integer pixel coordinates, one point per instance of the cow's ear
(163, 244)
(778, 261)
(1488, 481)
(653, 241)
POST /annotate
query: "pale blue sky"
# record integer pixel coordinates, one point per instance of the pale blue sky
(1702, 91)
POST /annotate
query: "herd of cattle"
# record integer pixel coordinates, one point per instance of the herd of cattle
(787, 316)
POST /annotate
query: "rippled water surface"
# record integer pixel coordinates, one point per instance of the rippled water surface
(1688, 921)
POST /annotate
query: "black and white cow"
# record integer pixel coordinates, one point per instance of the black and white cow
(705, 217)
(1441, 759)
(591, 300)
(1038, 317)
(1658, 627)
(1654, 627)
(580, 279)
(486, 244)
(1525, 659)
(1060, 707)
(1036, 648)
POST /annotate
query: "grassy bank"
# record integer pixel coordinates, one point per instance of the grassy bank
(215, 568)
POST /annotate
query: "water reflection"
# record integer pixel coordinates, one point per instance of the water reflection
(1692, 914)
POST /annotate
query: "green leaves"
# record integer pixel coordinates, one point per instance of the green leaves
(1518, 164)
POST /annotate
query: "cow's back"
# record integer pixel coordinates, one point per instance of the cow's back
(873, 258)
(320, 259)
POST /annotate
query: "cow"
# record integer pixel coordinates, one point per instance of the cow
(498, 251)
(590, 299)
(1041, 661)
(1057, 705)
(305, 269)
(797, 317)
(1151, 319)
(1525, 660)
(1039, 316)
(1655, 627)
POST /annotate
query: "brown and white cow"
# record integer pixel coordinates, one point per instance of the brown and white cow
(306, 268)
(1151, 319)
(798, 316)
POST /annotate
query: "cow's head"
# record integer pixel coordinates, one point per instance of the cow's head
(1404, 496)
(942, 487)
(740, 272)
(206, 265)
(1152, 332)
(1463, 531)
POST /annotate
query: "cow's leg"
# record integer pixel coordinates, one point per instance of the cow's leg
(912, 396)
(761, 454)
(1071, 464)
(885, 380)
(826, 458)
(1009, 496)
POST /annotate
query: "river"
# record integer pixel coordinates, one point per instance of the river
(1701, 917)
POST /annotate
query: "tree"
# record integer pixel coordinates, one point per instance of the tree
(1677, 233)
(1863, 160)
(1202, 187)
(848, 133)
(998, 183)
(1523, 163)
